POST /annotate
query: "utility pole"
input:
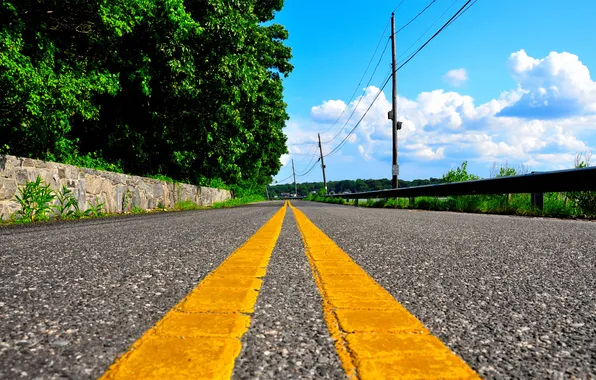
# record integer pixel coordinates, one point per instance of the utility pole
(294, 171)
(322, 164)
(267, 190)
(393, 113)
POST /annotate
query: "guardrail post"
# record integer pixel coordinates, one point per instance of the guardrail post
(411, 202)
(538, 200)
(356, 202)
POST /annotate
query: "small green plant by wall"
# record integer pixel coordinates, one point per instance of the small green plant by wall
(126, 200)
(35, 199)
(68, 205)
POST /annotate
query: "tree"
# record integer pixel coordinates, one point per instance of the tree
(459, 174)
(189, 89)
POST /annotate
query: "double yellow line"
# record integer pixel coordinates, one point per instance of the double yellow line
(375, 336)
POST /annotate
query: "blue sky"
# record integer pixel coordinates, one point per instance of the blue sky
(508, 82)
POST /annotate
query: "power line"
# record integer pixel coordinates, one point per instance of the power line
(366, 70)
(462, 10)
(361, 96)
(436, 34)
(290, 176)
(373, 74)
(359, 121)
(301, 154)
(311, 159)
(309, 170)
(307, 154)
(465, 10)
(398, 5)
(304, 143)
(361, 79)
(427, 29)
(415, 17)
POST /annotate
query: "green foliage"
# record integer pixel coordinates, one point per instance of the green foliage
(396, 203)
(585, 200)
(459, 174)
(186, 205)
(138, 210)
(34, 198)
(216, 183)
(425, 203)
(555, 204)
(507, 171)
(576, 204)
(89, 160)
(238, 201)
(67, 206)
(94, 210)
(353, 186)
(376, 203)
(337, 201)
(161, 177)
(189, 90)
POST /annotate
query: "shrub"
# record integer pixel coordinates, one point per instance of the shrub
(585, 200)
(35, 198)
(94, 210)
(186, 205)
(459, 174)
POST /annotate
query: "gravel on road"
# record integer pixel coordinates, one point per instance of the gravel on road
(515, 297)
(74, 296)
(288, 337)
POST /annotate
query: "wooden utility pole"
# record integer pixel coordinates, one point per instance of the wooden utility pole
(322, 164)
(267, 190)
(294, 171)
(393, 112)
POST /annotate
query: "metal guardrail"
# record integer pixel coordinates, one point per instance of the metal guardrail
(536, 183)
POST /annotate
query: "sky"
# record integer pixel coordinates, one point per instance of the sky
(508, 83)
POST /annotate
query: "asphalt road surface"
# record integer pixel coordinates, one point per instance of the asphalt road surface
(514, 297)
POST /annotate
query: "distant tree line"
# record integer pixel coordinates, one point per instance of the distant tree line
(352, 186)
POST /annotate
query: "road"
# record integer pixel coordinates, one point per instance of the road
(513, 297)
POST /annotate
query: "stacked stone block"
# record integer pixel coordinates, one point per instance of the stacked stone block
(118, 192)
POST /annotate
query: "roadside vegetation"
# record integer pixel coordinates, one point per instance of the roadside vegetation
(562, 205)
(39, 203)
(175, 90)
(353, 186)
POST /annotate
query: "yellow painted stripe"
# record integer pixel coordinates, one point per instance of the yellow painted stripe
(200, 337)
(375, 336)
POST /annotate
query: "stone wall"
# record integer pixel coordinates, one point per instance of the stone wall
(118, 192)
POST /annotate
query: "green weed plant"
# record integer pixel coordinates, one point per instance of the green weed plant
(563, 205)
(67, 206)
(35, 199)
(94, 210)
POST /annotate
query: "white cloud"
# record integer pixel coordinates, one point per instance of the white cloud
(447, 127)
(556, 86)
(285, 158)
(329, 111)
(426, 153)
(456, 77)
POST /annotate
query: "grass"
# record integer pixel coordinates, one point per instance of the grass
(186, 205)
(36, 200)
(238, 201)
(161, 177)
(558, 205)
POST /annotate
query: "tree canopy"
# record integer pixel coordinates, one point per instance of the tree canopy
(188, 89)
